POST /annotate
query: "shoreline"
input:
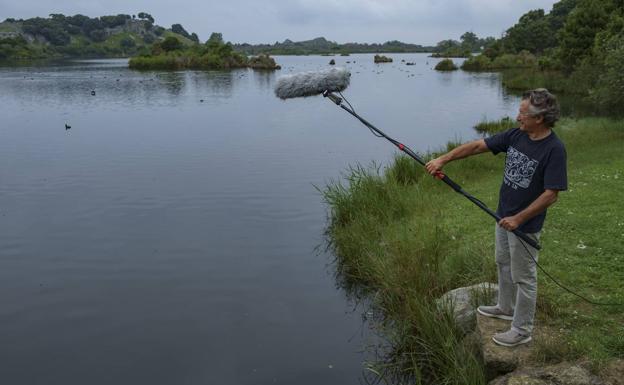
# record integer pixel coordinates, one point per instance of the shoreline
(407, 238)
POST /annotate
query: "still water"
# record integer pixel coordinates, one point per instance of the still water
(171, 235)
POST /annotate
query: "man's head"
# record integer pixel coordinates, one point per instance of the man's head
(538, 110)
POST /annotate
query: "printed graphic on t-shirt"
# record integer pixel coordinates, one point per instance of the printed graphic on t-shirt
(519, 169)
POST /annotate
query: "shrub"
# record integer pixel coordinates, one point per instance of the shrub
(171, 43)
(382, 59)
(263, 61)
(522, 60)
(446, 65)
(477, 63)
(609, 91)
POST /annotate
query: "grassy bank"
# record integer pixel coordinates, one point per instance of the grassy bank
(403, 239)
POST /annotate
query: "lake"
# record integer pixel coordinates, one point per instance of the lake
(174, 234)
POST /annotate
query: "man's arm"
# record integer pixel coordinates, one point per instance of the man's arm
(546, 199)
(471, 148)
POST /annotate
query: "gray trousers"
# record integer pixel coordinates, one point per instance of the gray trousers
(517, 279)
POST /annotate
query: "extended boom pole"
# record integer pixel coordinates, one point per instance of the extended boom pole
(439, 175)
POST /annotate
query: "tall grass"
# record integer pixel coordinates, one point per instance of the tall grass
(527, 79)
(392, 240)
(403, 239)
(495, 126)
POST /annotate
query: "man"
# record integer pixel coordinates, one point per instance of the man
(535, 172)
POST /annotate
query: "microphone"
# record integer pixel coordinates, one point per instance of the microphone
(312, 83)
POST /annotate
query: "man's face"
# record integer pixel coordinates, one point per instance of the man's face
(528, 122)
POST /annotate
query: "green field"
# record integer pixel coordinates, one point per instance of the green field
(403, 239)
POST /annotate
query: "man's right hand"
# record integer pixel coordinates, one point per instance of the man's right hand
(434, 166)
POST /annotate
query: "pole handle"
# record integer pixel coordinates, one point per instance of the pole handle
(527, 239)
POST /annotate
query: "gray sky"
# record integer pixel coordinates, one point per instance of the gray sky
(266, 21)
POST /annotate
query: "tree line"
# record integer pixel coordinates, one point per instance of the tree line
(580, 41)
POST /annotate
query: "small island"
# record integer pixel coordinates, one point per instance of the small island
(382, 59)
(173, 54)
(446, 65)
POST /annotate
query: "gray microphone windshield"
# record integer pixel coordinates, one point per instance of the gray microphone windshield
(312, 83)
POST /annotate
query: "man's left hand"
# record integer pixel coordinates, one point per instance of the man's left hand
(509, 223)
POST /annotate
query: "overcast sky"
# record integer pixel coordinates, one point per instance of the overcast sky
(266, 21)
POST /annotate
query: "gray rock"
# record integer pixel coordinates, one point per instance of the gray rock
(565, 373)
(463, 301)
(498, 359)
(613, 373)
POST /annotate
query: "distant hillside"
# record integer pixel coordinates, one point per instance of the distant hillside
(321, 45)
(61, 36)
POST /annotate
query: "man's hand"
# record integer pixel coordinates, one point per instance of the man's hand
(510, 223)
(435, 165)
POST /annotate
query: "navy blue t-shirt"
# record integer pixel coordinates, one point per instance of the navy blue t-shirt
(531, 167)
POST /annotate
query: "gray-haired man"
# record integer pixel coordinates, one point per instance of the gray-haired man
(535, 172)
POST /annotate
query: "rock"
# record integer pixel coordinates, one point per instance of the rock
(463, 301)
(498, 359)
(332, 62)
(613, 374)
(565, 373)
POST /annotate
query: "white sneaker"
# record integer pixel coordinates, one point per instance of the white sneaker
(494, 312)
(511, 338)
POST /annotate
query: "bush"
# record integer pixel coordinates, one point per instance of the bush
(446, 65)
(263, 61)
(477, 63)
(522, 60)
(609, 91)
(382, 59)
(171, 43)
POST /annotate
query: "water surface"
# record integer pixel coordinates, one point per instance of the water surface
(170, 235)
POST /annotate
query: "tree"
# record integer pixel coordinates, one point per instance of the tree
(194, 37)
(446, 45)
(171, 43)
(560, 12)
(114, 21)
(469, 40)
(216, 37)
(146, 16)
(581, 26)
(532, 32)
(179, 29)
(98, 35)
(127, 42)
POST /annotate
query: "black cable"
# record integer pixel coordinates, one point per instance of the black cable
(353, 109)
(563, 287)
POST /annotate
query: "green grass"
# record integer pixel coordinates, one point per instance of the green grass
(492, 127)
(186, 41)
(528, 79)
(403, 239)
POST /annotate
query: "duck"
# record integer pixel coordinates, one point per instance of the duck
(67, 126)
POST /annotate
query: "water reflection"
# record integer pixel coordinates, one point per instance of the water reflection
(173, 82)
(219, 83)
(265, 79)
